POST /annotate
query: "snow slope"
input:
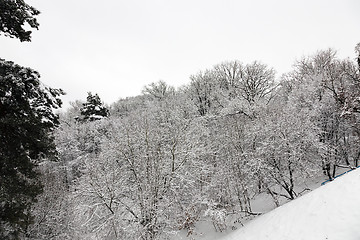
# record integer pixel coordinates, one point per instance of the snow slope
(330, 212)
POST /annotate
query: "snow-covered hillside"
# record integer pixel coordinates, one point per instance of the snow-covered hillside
(330, 212)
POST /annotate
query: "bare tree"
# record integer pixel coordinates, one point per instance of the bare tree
(159, 90)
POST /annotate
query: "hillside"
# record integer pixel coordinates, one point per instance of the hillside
(329, 212)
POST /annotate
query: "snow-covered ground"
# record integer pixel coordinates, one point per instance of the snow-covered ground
(330, 212)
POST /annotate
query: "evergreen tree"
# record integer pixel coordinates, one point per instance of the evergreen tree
(27, 121)
(93, 109)
(26, 124)
(13, 16)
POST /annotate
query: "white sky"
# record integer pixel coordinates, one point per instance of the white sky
(115, 47)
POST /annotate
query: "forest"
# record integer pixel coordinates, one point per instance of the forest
(148, 166)
(153, 165)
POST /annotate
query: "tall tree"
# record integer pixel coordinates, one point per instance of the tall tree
(202, 91)
(336, 84)
(26, 124)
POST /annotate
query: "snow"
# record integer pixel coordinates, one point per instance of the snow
(330, 212)
(204, 231)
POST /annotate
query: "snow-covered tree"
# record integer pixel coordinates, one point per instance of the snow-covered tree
(337, 88)
(159, 90)
(145, 177)
(202, 91)
(27, 122)
(16, 14)
(288, 149)
(93, 109)
(53, 209)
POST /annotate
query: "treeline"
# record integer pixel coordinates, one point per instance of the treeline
(151, 165)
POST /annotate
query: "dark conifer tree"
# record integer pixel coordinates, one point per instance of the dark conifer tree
(14, 15)
(26, 124)
(93, 109)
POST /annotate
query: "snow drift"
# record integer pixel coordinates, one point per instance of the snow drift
(330, 212)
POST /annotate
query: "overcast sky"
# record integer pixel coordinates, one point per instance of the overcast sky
(115, 47)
